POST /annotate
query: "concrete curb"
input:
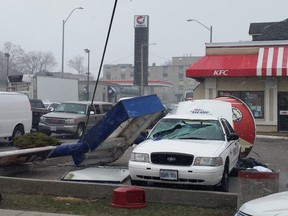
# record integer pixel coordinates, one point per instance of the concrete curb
(7, 212)
(105, 191)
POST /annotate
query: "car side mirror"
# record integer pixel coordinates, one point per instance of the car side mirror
(51, 109)
(232, 136)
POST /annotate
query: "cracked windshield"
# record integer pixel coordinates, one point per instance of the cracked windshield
(174, 107)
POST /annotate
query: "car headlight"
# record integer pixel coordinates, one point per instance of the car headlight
(139, 157)
(208, 161)
(42, 119)
(70, 121)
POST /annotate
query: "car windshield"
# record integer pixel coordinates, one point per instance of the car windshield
(36, 104)
(187, 129)
(72, 108)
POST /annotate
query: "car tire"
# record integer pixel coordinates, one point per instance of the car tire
(138, 183)
(224, 184)
(80, 131)
(18, 131)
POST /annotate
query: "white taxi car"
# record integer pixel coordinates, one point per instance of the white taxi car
(274, 204)
(187, 150)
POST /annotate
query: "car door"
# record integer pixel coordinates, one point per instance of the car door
(92, 116)
(95, 115)
(233, 145)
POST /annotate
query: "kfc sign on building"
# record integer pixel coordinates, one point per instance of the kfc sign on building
(221, 72)
(140, 21)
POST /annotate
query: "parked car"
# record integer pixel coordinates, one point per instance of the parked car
(38, 109)
(70, 117)
(15, 115)
(186, 149)
(51, 106)
(274, 204)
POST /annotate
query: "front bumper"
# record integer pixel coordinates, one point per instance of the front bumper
(58, 129)
(189, 175)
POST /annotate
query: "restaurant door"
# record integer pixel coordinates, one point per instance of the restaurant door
(283, 111)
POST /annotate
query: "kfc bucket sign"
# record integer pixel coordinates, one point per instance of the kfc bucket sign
(243, 121)
(141, 21)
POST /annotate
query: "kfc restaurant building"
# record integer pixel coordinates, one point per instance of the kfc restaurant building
(254, 71)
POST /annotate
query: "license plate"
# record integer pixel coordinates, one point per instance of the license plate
(169, 175)
(53, 128)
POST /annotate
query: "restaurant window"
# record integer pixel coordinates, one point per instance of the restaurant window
(165, 72)
(180, 76)
(253, 99)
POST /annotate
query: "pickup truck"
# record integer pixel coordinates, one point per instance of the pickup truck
(70, 117)
(38, 109)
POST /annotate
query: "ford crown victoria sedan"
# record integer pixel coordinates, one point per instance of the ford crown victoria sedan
(186, 150)
(274, 204)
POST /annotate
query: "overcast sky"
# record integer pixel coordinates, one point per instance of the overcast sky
(36, 25)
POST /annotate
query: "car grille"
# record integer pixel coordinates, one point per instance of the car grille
(180, 180)
(55, 121)
(166, 158)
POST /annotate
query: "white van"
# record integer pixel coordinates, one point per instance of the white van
(15, 115)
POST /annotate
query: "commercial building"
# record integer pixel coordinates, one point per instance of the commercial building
(254, 71)
(167, 81)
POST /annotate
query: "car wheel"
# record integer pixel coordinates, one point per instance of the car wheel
(224, 184)
(18, 131)
(80, 131)
(138, 183)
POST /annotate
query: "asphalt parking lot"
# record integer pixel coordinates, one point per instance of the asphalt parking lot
(43, 177)
(270, 150)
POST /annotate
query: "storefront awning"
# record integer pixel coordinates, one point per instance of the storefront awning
(268, 62)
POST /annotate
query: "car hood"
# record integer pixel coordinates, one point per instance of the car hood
(275, 204)
(63, 115)
(195, 147)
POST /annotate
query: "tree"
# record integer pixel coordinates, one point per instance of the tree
(39, 61)
(16, 56)
(2, 66)
(77, 64)
(23, 63)
(47, 62)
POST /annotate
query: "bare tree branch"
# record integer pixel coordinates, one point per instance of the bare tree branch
(77, 64)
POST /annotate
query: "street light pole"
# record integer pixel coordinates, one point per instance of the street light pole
(7, 55)
(88, 73)
(142, 68)
(210, 29)
(63, 31)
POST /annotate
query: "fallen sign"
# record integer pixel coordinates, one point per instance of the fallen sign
(105, 142)
(100, 174)
(25, 155)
